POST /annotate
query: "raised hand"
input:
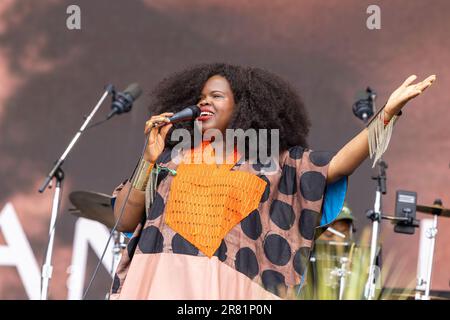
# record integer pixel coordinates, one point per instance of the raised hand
(406, 92)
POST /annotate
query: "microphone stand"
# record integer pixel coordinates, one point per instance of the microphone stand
(375, 215)
(58, 174)
(364, 109)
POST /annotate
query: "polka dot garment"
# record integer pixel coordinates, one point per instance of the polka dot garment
(271, 245)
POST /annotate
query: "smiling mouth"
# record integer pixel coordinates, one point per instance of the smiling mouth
(206, 114)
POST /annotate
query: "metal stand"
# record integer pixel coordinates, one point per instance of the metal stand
(364, 109)
(58, 174)
(430, 233)
(119, 245)
(342, 274)
(47, 268)
(375, 216)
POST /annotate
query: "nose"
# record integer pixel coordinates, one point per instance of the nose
(203, 102)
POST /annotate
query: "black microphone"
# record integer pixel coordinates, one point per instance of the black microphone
(123, 101)
(188, 113)
(363, 108)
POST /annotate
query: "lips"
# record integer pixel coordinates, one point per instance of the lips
(206, 113)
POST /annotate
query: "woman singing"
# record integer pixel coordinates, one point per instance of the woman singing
(234, 228)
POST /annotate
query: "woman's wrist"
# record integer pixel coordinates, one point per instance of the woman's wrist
(388, 115)
(140, 179)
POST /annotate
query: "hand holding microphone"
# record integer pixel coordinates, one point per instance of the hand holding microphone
(158, 127)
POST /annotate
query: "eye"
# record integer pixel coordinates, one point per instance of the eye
(217, 96)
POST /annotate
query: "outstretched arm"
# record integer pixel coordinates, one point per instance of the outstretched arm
(357, 150)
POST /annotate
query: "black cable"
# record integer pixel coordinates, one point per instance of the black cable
(96, 124)
(113, 229)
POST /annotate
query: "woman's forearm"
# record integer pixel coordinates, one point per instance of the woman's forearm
(349, 157)
(134, 208)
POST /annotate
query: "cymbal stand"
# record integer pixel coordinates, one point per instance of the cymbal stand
(342, 274)
(431, 233)
(119, 245)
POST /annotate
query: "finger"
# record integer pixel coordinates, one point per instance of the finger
(165, 130)
(149, 125)
(160, 117)
(413, 94)
(153, 134)
(431, 78)
(409, 80)
(426, 83)
(166, 114)
(154, 122)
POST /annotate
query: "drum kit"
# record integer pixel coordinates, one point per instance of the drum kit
(97, 206)
(338, 270)
(336, 267)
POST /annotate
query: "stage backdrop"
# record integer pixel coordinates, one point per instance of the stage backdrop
(51, 76)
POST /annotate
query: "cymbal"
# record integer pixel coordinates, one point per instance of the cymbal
(93, 205)
(434, 209)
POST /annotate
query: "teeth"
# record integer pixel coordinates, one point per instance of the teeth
(206, 113)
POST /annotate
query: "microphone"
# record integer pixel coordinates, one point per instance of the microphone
(187, 114)
(123, 101)
(363, 108)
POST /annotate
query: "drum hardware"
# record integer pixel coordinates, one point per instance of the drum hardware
(94, 206)
(331, 266)
(339, 234)
(118, 247)
(405, 223)
(336, 271)
(423, 285)
(97, 206)
(342, 273)
(404, 219)
(436, 209)
(406, 294)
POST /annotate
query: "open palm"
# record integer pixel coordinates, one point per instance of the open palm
(406, 92)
